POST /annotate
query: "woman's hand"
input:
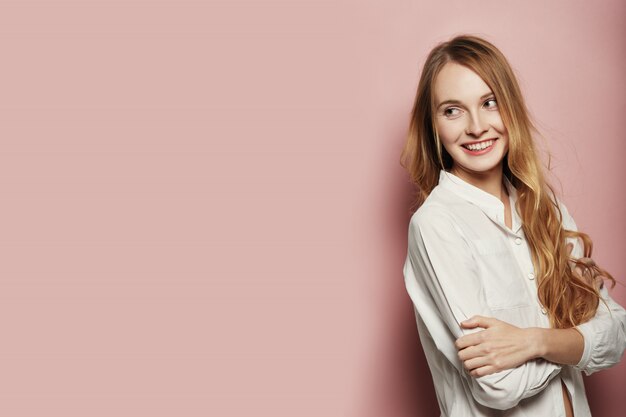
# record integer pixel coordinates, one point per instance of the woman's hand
(500, 346)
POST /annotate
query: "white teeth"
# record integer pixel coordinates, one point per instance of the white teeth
(478, 147)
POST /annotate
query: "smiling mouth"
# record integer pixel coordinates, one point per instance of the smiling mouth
(479, 146)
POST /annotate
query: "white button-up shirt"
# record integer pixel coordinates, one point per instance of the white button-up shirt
(462, 260)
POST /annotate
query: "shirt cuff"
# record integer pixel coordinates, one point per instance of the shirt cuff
(588, 332)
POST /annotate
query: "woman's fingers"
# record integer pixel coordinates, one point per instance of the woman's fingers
(473, 357)
(501, 346)
(471, 339)
(475, 363)
(483, 370)
(469, 352)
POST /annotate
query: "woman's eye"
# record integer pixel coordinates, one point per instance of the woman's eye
(450, 111)
(495, 104)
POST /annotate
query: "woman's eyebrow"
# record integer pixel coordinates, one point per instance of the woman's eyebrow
(484, 96)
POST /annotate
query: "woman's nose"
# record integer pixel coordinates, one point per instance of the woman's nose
(476, 126)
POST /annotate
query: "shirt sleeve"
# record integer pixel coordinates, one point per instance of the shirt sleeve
(443, 282)
(605, 334)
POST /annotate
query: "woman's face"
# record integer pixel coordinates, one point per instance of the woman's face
(468, 122)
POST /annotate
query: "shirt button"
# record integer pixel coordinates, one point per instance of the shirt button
(543, 311)
(531, 276)
(518, 241)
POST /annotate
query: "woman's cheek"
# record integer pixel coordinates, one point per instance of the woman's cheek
(450, 132)
(497, 123)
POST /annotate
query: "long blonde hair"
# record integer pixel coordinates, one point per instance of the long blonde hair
(569, 297)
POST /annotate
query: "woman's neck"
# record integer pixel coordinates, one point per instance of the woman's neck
(491, 181)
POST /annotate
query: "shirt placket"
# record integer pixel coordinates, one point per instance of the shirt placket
(519, 244)
(522, 253)
(521, 250)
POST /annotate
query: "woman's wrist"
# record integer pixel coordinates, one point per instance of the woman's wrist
(537, 342)
(563, 346)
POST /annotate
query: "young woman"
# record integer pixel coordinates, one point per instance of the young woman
(510, 307)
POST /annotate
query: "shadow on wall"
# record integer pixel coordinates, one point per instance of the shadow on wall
(601, 393)
(401, 383)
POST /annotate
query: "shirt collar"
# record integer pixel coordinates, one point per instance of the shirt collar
(488, 203)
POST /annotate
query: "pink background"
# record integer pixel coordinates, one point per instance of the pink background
(202, 209)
